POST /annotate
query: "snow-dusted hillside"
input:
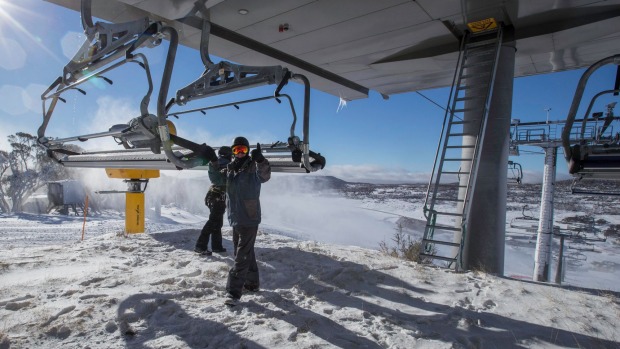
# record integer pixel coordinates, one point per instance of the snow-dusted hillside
(152, 291)
(324, 284)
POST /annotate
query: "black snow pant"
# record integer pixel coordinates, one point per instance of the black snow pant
(245, 269)
(213, 227)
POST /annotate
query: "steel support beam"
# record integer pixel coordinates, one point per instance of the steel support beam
(486, 226)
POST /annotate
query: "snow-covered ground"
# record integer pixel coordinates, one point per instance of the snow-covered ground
(323, 284)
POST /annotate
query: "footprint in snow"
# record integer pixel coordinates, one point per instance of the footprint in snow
(92, 281)
(489, 304)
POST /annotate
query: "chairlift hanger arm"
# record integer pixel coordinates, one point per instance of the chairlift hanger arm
(585, 119)
(609, 115)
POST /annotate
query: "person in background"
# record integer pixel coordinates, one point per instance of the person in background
(244, 177)
(216, 202)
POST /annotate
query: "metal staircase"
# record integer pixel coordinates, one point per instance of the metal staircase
(456, 162)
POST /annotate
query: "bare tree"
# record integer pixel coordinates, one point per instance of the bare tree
(24, 170)
(4, 169)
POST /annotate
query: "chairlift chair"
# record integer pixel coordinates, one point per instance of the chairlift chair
(598, 156)
(516, 171)
(109, 46)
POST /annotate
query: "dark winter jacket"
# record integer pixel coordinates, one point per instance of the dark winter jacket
(216, 196)
(243, 183)
(216, 173)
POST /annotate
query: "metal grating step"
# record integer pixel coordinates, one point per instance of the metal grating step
(481, 43)
(448, 259)
(478, 53)
(440, 242)
(467, 109)
(468, 98)
(448, 199)
(475, 75)
(461, 134)
(449, 214)
(459, 146)
(443, 227)
(478, 64)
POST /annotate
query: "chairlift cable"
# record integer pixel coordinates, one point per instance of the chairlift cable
(432, 101)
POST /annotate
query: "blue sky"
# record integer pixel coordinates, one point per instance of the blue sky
(370, 139)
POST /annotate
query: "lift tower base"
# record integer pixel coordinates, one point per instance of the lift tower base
(134, 196)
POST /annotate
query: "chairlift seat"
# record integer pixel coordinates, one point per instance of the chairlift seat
(278, 158)
(595, 161)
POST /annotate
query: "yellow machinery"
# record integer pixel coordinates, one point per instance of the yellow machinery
(134, 196)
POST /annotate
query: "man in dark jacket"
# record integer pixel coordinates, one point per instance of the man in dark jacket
(244, 177)
(216, 202)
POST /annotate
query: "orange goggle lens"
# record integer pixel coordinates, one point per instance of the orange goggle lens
(240, 149)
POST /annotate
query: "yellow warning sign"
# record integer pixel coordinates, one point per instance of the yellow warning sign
(480, 26)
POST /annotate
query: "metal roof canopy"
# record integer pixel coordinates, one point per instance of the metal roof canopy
(346, 47)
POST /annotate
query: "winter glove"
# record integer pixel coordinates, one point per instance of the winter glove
(257, 154)
(206, 152)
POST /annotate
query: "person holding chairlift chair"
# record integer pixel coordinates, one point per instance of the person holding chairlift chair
(244, 177)
(216, 202)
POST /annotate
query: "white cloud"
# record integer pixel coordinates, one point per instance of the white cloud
(111, 111)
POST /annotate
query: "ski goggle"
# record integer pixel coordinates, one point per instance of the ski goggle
(240, 149)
